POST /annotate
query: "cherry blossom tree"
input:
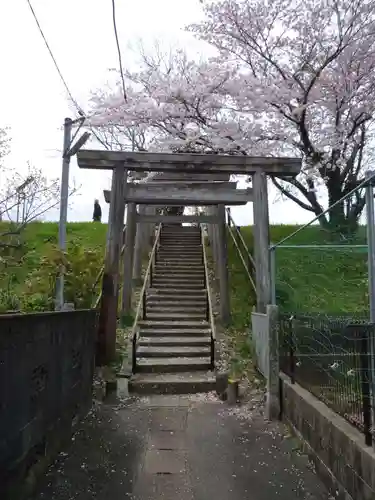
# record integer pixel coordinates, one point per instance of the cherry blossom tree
(4, 143)
(289, 78)
(307, 68)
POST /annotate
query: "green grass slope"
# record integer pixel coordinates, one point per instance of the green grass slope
(319, 280)
(30, 269)
(327, 280)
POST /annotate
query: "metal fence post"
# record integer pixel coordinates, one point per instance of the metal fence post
(371, 277)
(371, 245)
(292, 360)
(273, 401)
(272, 251)
(365, 341)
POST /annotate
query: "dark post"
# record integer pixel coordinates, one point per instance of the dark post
(365, 379)
(228, 217)
(144, 305)
(292, 360)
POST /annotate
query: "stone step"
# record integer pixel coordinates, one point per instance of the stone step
(179, 351)
(172, 383)
(171, 252)
(201, 302)
(180, 237)
(183, 248)
(177, 285)
(181, 242)
(183, 302)
(154, 293)
(172, 365)
(196, 242)
(180, 229)
(172, 326)
(175, 306)
(183, 245)
(170, 300)
(167, 316)
(177, 281)
(166, 270)
(174, 332)
(170, 278)
(167, 273)
(188, 231)
(154, 310)
(178, 256)
(174, 292)
(172, 305)
(178, 240)
(167, 267)
(180, 248)
(178, 262)
(175, 341)
(167, 254)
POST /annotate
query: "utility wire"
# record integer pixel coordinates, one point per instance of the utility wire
(118, 48)
(54, 60)
(82, 114)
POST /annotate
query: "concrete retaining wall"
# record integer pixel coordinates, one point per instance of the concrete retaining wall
(342, 460)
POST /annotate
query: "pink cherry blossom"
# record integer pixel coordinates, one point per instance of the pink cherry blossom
(289, 78)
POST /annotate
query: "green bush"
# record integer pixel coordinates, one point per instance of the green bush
(28, 271)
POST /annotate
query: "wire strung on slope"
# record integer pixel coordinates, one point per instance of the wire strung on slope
(118, 48)
(54, 60)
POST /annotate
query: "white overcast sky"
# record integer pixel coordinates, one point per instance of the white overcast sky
(33, 100)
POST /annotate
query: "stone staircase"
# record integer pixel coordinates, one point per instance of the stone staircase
(174, 346)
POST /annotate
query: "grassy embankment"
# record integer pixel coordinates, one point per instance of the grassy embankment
(310, 280)
(320, 280)
(30, 268)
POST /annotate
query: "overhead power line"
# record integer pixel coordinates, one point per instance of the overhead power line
(54, 60)
(118, 48)
(78, 107)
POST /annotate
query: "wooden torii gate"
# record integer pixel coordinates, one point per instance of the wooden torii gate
(206, 191)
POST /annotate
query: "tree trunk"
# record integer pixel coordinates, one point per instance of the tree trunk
(338, 220)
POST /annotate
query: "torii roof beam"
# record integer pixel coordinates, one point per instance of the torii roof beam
(186, 195)
(187, 162)
(187, 177)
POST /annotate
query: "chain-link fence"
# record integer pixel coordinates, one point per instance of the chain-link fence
(331, 358)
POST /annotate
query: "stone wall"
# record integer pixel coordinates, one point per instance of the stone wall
(338, 450)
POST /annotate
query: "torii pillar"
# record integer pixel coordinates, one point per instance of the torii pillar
(139, 249)
(130, 235)
(106, 342)
(222, 255)
(261, 241)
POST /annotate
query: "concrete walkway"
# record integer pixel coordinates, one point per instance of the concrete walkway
(186, 448)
